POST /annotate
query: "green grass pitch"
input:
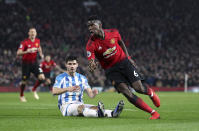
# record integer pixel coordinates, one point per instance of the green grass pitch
(179, 112)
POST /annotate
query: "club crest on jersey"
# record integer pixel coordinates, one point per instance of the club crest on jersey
(112, 41)
(36, 44)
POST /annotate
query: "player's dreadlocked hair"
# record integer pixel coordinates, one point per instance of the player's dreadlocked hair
(93, 17)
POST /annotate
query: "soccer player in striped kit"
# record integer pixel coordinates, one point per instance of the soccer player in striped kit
(70, 85)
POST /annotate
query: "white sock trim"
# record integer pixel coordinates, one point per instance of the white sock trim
(152, 111)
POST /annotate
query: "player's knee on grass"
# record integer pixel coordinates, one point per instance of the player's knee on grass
(80, 109)
(139, 87)
(41, 77)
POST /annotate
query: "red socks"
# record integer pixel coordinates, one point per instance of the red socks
(36, 85)
(142, 105)
(22, 88)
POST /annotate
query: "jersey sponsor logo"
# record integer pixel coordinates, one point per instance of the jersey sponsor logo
(109, 51)
(88, 54)
(112, 41)
(29, 45)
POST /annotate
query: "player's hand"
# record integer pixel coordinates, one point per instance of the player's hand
(42, 56)
(95, 92)
(74, 88)
(92, 65)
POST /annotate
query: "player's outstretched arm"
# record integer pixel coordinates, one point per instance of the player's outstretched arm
(91, 93)
(58, 91)
(121, 43)
(59, 68)
(41, 53)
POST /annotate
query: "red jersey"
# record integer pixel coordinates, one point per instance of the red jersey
(106, 50)
(47, 66)
(26, 44)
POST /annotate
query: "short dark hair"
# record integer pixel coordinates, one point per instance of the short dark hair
(93, 17)
(70, 58)
(32, 27)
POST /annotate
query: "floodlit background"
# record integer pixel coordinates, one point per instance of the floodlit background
(162, 36)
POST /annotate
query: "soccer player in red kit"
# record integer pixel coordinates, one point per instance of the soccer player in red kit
(29, 48)
(47, 65)
(107, 46)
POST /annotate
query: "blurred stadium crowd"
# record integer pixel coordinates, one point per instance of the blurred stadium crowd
(161, 36)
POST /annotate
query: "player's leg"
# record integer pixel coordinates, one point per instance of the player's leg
(132, 98)
(134, 79)
(40, 79)
(78, 109)
(143, 89)
(22, 88)
(48, 84)
(23, 83)
(92, 111)
(106, 112)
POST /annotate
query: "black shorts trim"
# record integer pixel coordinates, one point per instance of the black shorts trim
(123, 72)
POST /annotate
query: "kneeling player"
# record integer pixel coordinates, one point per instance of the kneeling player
(70, 86)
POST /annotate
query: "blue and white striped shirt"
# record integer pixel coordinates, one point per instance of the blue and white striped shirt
(64, 81)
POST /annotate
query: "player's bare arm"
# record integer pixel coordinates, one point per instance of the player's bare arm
(41, 53)
(58, 91)
(59, 68)
(91, 93)
(92, 65)
(122, 45)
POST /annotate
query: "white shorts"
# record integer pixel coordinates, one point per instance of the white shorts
(70, 109)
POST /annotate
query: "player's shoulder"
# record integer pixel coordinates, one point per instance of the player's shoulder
(111, 30)
(61, 76)
(52, 61)
(90, 41)
(80, 75)
(37, 40)
(25, 41)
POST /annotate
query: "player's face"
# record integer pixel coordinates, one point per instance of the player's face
(32, 33)
(71, 66)
(48, 58)
(93, 27)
